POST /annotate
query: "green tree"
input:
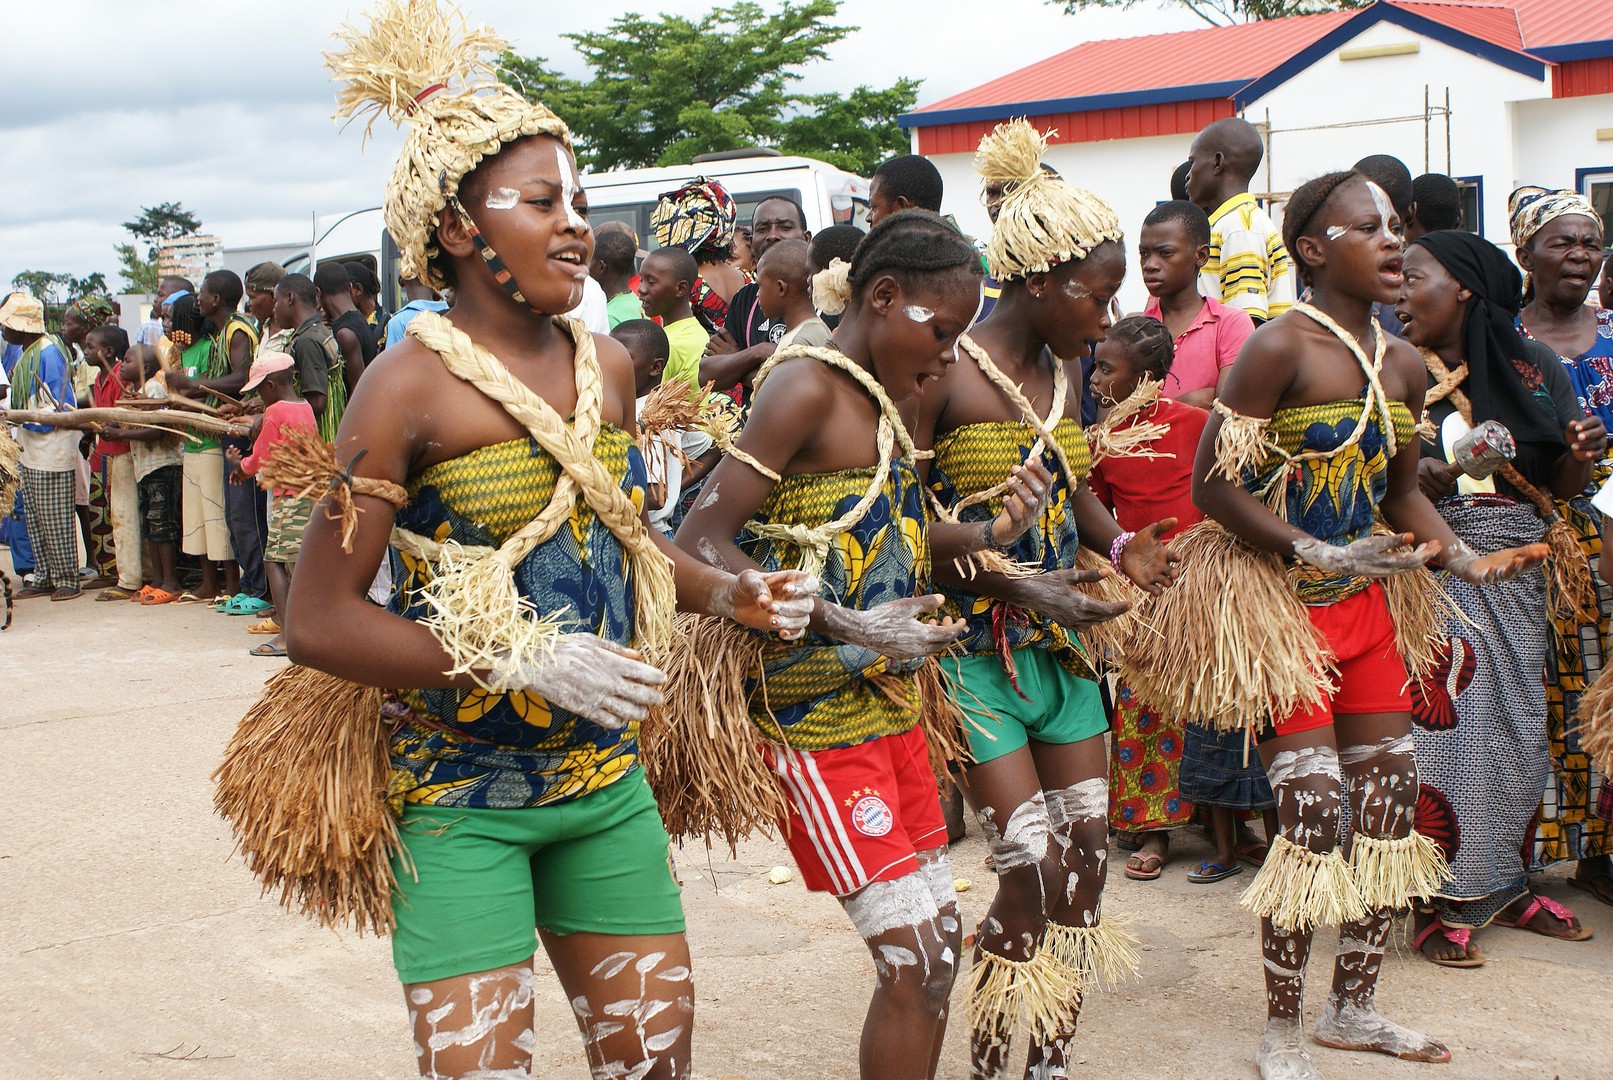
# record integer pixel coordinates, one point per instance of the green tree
(665, 89)
(165, 221)
(1225, 12)
(48, 288)
(155, 226)
(140, 273)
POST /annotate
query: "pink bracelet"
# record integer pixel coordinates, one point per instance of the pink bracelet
(1118, 546)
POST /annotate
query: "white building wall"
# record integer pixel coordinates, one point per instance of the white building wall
(1493, 110)
(1551, 139)
(1333, 91)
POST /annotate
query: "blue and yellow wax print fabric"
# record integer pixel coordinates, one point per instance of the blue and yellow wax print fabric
(478, 748)
(977, 457)
(818, 693)
(1336, 498)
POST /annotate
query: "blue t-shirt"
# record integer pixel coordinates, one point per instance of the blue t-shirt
(397, 324)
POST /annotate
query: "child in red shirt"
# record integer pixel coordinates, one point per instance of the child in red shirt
(1148, 771)
(273, 375)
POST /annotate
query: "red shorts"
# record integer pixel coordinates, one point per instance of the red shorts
(860, 813)
(1372, 678)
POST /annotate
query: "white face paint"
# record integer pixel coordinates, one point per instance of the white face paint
(569, 188)
(1336, 231)
(502, 198)
(1386, 209)
(1075, 290)
(918, 313)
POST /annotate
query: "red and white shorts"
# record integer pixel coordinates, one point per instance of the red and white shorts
(860, 814)
(1372, 677)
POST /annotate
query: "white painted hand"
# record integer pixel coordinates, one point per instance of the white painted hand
(1370, 556)
(598, 680)
(895, 628)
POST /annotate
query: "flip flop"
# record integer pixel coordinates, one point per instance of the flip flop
(66, 592)
(221, 601)
(28, 592)
(1537, 903)
(188, 597)
(158, 596)
(265, 626)
(1209, 873)
(1144, 866)
(114, 592)
(1253, 853)
(1126, 841)
(1456, 935)
(269, 649)
(242, 604)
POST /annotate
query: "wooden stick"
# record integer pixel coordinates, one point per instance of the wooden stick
(89, 419)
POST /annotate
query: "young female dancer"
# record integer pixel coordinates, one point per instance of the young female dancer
(1314, 435)
(1035, 719)
(841, 708)
(530, 591)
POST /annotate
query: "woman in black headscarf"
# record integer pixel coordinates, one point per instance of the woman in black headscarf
(1480, 723)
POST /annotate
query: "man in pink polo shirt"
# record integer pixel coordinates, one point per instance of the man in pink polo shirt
(1174, 245)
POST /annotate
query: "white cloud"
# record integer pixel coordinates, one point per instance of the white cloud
(112, 106)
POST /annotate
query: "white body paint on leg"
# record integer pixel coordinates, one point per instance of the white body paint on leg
(1022, 840)
(883, 906)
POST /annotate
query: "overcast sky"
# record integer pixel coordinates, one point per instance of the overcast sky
(102, 113)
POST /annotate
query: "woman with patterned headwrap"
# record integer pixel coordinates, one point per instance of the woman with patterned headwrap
(1035, 720)
(494, 448)
(1559, 240)
(700, 217)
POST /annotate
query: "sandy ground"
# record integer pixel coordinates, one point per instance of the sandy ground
(132, 945)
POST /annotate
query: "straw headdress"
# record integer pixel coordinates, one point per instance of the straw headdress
(421, 64)
(1043, 221)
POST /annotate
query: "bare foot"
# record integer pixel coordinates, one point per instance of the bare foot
(1344, 1026)
(1282, 1053)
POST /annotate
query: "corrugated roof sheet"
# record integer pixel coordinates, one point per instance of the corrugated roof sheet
(1119, 65)
(1247, 51)
(1495, 23)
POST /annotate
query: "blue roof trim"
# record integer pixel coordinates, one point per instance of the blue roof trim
(1090, 103)
(1387, 12)
(1579, 50)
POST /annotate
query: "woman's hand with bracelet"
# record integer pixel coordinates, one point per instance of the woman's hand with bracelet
(1143, 557)
(1029, 487)
(895, 628)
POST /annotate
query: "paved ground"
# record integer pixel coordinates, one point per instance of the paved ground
(132, 946)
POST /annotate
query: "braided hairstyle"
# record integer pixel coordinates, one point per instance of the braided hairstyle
(912, 244)
(188, 325)
(1303, 207)
(1146, 342)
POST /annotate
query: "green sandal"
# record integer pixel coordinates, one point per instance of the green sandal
(242, 604)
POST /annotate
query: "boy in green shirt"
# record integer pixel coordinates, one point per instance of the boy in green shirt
(665, 283)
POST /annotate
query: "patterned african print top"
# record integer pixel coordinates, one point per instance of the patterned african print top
(1334, 499)
(824, 693)
(480, 748)
(1591, 371)
(977, 457)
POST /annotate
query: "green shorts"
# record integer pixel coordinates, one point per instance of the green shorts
(487, 879)
(1062, 709)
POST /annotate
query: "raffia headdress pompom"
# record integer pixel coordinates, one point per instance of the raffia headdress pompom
(1043, 221)
(831, 287)
(421, 64)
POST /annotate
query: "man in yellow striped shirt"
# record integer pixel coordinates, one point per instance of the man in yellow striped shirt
(1248, 265)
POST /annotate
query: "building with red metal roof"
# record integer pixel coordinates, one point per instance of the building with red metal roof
(1495, 92)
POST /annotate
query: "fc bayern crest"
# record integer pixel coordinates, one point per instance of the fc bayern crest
(871, 816)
